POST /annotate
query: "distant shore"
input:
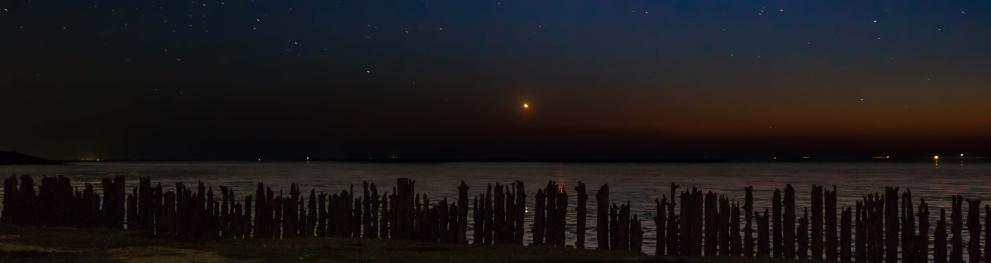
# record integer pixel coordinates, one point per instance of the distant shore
(14, 158)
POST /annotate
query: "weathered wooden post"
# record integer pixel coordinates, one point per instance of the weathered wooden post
(366, 211)
(602, 216)
(462, 213)
(974, 230)
(624, 233)
(385, 218)
(956, 255)
(614, 228)
(987, 233)
(789, 222)
(939, 238)
(520, 212)
(539, 220)
(777, 238)
(891, 224)
(735, 245)
(724, 236)
(909, 249)
(499, 214)
(831, 238)
(561, 217)
(260, 210)
(711, 220)
(487, 216)
(11, 200)
(581, 212)
(659, 224)
(748, 211)
(672, 225)
(636, 235)
(403, 227)
(922, 241)
(145, 205)
(816, 220)
(763, 244)
(860, 235)
(478, 223)
(803, 235)
(845, 234)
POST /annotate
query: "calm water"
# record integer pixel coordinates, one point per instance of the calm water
(639, 183)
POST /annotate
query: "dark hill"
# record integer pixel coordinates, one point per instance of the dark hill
(13, 158)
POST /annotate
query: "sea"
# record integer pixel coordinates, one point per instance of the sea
(637, 183)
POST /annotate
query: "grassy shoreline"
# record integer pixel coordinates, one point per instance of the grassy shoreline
(62, 244)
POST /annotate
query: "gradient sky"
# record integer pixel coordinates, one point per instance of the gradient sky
(446, 79)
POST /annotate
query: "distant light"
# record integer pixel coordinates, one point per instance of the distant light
(935, 157)
(259, 159)
(961, 155)
(526, 106)
(307, 158)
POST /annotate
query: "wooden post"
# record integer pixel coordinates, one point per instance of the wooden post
(816, 220)
(939, 238)
(614, 243)
(602, 216)
(891, 224)
(723, 226)
(487, 216)
(366, 211)
(777, 238)
(403, 227)
(735, 245)
(581, 212)
(520, 212)
(987, 233)
(659, 224)
(672, 226)
(499, 215)
(711, 227)
(260, 207)
(462, 213)
(845, 234)
(748, 211)
(860, 235)
(478, 226)
(974, 230)
(763, 244)
(803, 235)
(386, 217)
(539, 220)
(909, 249)
(789, 222)
(830, 220)
(561, 217)
(10, 200)
(636, 235)
(922, 243)
(956, 255)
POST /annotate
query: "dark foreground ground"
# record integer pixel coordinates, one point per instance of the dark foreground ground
(36, 244)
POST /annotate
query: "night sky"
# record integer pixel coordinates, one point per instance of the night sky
(285, 79)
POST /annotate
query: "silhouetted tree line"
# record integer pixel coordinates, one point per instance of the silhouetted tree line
(884, 227)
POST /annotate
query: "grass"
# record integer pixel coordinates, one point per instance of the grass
(58, 244)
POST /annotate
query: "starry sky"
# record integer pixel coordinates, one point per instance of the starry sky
(284, 79)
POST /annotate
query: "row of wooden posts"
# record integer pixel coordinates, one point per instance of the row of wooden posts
(877, 228)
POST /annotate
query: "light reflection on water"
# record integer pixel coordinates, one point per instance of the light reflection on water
(638, 183)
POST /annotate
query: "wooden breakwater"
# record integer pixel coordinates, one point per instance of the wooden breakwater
(888, 227)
